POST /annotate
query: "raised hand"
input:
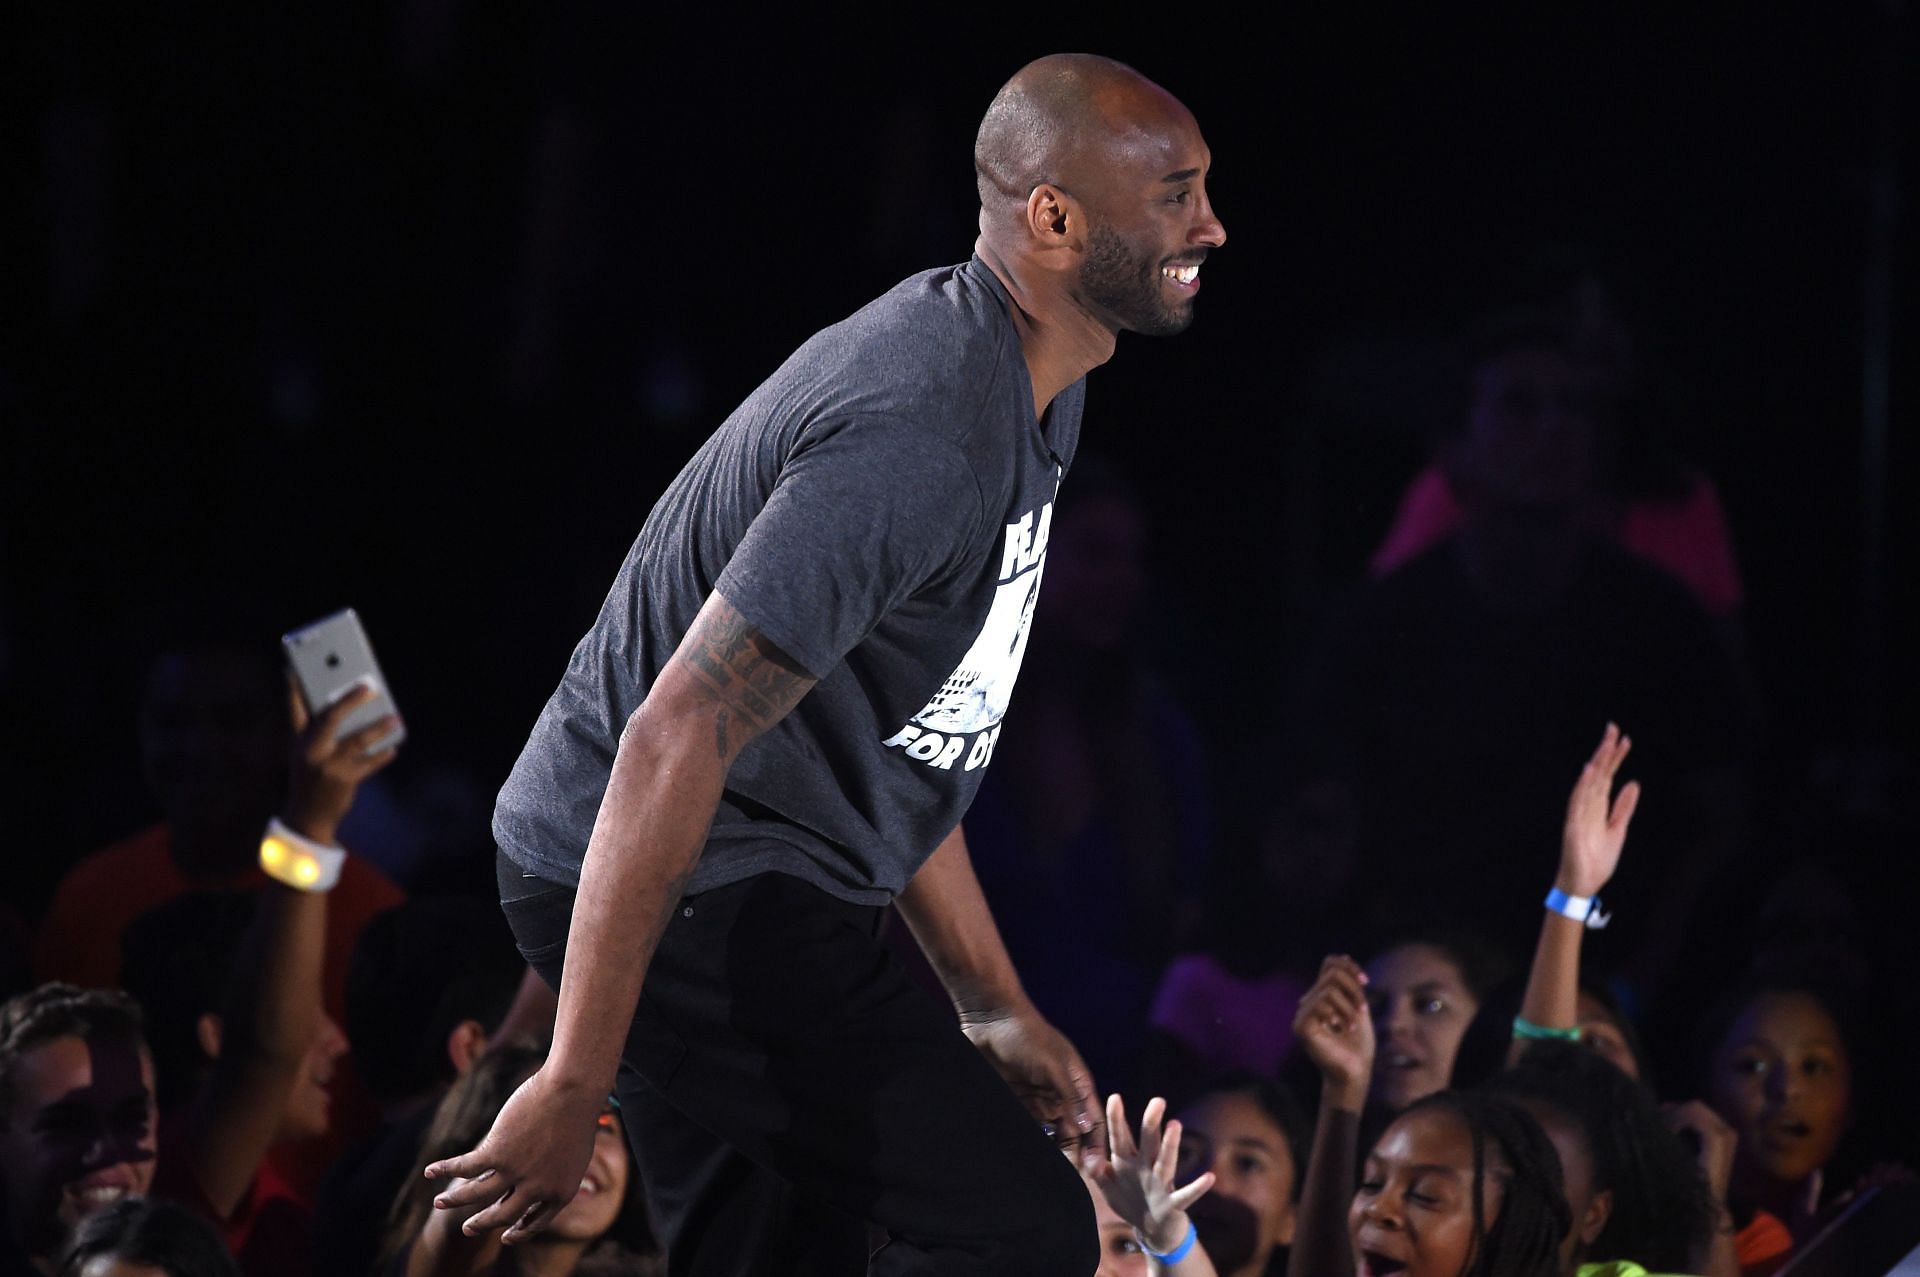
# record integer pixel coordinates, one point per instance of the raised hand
(327, 769)
(1046, 1073)
(1137, 1180)
(1336, 1028)
(530, 1164)
(1597, 819)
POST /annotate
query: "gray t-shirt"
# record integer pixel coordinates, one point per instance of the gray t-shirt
(879, 509)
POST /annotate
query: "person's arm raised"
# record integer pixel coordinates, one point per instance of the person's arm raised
(724, 686)
(1335, 1028)
(1590, 846)
(948, 915)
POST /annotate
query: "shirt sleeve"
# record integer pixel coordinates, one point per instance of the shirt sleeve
(864, 513)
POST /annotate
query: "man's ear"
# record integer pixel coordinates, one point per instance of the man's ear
(1054, 218)
(466, 1043)
(207, 1032)
(1599, 1211)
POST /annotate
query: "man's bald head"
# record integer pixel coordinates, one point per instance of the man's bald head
(1053, 117)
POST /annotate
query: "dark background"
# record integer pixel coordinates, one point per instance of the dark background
(416, 307)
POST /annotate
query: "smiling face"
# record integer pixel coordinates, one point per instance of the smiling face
(1232, 1136)
(603, 1190)
(1783, 1079)
(1421, 1009)
(1151, 223)
(78, 1136)
(308, 1114)
(1413, 1212)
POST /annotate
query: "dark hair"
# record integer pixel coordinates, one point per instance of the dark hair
(463, 1118)
(1524, 1240)
(159, 1234)
(178, 958)
(1661, 1204)
(56, 1010)
(420, 969)
(1274, 1100)
(1481, 964)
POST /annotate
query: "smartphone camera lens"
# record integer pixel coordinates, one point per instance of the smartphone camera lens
(333, 660)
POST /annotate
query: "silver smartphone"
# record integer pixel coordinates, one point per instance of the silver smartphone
(328, 658)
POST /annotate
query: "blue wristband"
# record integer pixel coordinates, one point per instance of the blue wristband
(1583, 909)
(1179, 1252)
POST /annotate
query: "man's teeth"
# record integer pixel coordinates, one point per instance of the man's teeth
(104, 1195)
(1401, 1062)
(1183, 274)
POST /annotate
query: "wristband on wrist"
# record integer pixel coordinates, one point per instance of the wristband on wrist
(1525, 1028)
(1584, 909)
(299, 862)
(1178, 1253)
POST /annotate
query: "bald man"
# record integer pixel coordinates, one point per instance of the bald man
(775, 725)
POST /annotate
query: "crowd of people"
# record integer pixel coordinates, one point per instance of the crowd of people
(209, 1071)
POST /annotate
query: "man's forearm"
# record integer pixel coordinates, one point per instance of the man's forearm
(653, 822)
(947, 912)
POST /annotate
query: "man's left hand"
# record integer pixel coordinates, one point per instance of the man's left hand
(1047, 1075)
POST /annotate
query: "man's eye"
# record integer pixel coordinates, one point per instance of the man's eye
(1247, 1164)
(1433, 1006)
(1751, 1065)
(1180, 197)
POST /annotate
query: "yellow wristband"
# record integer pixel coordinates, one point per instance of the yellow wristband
(301, 863)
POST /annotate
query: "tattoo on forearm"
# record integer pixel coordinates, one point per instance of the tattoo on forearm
(754, 682)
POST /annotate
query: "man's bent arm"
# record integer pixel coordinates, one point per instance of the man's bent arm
(948, 915)
(724, 686)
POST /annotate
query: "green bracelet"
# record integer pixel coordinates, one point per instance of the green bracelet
(1525, 1028)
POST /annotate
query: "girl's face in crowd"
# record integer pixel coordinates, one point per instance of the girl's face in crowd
(1421, 1009)
(1412, 1215)
(1120, 1254)
(1252, 1163)
(1601, 1033)
(603, 1191)
(1782, 1078)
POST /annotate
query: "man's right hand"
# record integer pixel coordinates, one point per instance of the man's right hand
(1335, 1025)
(530, 1164)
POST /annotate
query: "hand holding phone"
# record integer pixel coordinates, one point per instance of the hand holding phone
(331, 657)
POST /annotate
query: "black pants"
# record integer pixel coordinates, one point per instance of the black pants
(785, 1083)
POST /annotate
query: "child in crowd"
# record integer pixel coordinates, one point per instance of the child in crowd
(607, 1214)
(1423, 992)
(1782, 1075)
(1632, 1188)
(1250, 1135)
(141, 1237)
(1458, 1185)
(1141, 1215)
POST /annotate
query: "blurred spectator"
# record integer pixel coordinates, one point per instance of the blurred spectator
(145, 1238)
(1227, 1003)
(77, 1118)
(231, 981)
(1438, 702)
(607, 1218)
(432, 980)
(214, 745)
(1091, 829)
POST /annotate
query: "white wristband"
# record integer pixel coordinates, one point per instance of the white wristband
(300, 862)
(1584, 909)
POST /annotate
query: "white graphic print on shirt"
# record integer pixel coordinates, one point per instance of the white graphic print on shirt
(962, 721)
